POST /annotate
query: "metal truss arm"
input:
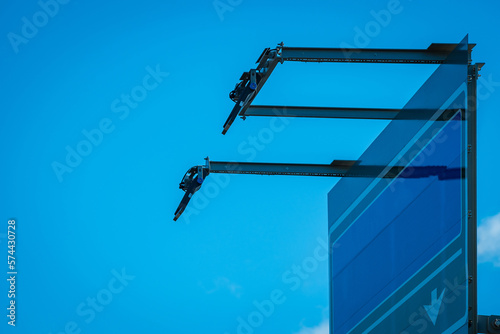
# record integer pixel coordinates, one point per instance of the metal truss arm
(352, 113)
(252, 82)
(339, 168)
(435, 54)
(195, 176)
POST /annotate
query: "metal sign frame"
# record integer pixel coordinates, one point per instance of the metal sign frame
(251, 83)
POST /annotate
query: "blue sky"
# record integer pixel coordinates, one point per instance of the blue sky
(101, 231)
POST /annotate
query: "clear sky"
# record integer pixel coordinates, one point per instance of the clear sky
(97, 250)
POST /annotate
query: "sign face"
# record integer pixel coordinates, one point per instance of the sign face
(399, 245)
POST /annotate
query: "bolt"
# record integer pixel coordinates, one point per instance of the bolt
(496, 323)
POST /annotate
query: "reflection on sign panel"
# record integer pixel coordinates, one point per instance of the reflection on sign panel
(399, 252)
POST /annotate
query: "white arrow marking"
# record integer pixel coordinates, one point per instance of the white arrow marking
(433, 309)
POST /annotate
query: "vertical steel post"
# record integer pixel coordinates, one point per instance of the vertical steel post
(471, 117)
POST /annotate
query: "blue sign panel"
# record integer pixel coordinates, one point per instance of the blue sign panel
(398, 245)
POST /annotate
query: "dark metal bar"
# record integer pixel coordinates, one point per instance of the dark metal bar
(277, 169)
(336, 169)
(395, 56)
(242, 105)
(351, 113)
(436, 53)
(471, 117)
(321, 112)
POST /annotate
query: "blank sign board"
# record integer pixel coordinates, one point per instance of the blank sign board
(399, 245)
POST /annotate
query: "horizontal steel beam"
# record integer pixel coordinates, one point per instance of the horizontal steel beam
(336, 169)
(321, 112)
(435, 54)
(351, 113)
(276, 169)
(395, 56)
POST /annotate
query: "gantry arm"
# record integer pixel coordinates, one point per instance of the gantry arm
(252, 81)
(193, 179)
(436, 53)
